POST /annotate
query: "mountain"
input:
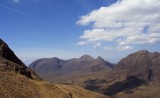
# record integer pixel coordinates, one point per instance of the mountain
(63, 70)
(18, 81)
(143, 64)
(47, 64)
(136, 75)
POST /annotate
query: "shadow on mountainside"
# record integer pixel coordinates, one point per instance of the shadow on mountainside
(125, 85)
(92, 84)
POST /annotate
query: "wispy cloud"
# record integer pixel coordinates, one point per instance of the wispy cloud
(29, 16)
(117, 48)
(16, 1)
(126, 23)
(82, 43)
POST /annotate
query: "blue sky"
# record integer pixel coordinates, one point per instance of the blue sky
(66, 29)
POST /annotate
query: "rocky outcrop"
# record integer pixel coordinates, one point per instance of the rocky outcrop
(8, 54)
(10, 62)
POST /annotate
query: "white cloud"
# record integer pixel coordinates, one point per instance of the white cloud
(141, 39)
(126, 23)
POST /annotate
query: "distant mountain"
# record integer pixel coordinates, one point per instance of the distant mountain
(18, 81)
(86, 58)
(48, 68)
(46, 64)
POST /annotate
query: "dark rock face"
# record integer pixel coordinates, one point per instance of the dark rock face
(143, 64)
(8, 54)
(125, 85)
(10, 62)
(92, 84)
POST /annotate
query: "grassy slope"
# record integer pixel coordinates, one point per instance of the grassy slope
(13, 85)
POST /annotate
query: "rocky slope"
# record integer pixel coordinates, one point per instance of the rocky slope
(18, 81)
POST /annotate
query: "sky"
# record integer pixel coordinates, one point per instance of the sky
(68, 29)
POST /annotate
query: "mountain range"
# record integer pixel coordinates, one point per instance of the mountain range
(138, 72)
(49, 68)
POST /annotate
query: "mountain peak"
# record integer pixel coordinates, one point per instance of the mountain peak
(55, 58)
(143, 51)
(99, 58)
(87, 57)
